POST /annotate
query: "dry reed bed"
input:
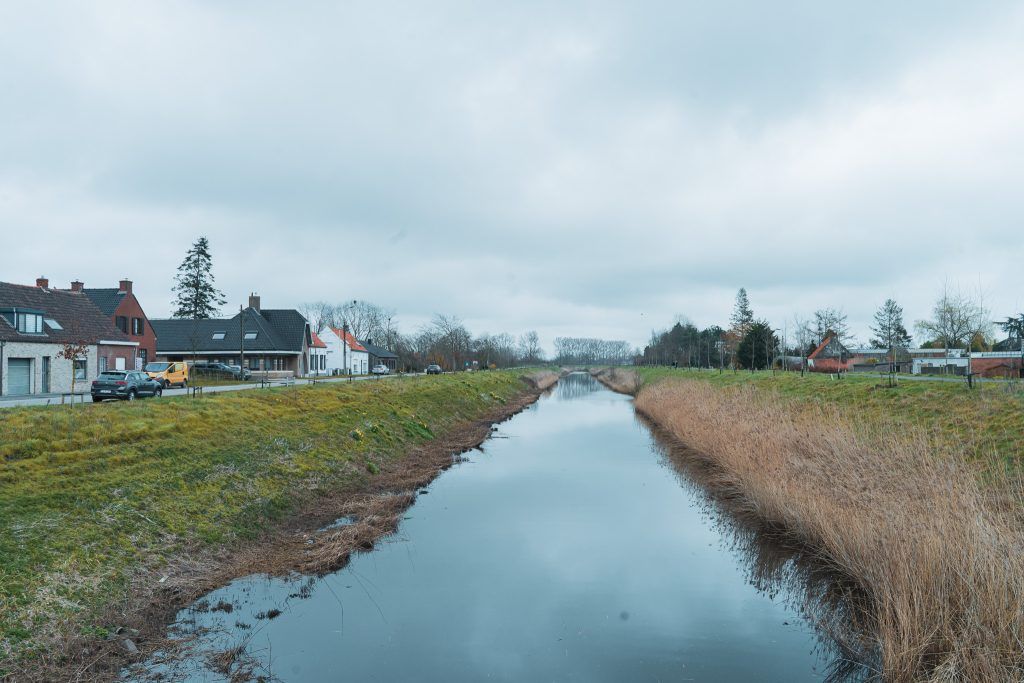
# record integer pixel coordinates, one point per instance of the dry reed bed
(938, 559)
(617, 379)
(542, 380)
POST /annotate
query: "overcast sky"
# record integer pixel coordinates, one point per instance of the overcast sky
(590, 168)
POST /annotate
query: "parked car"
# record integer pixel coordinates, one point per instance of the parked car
(433, 369)
(380, 369)
(220, 371)
(125, 386)
(168, 374)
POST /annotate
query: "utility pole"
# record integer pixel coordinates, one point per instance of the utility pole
(241, 341)
(344, 349)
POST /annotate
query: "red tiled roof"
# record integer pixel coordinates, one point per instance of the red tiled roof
(821, 346)
(317, 342)
(352, 342)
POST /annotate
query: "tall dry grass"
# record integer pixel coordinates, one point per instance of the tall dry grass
(619, 379)
(938, 558)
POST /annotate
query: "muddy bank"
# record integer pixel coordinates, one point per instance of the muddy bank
(302, 542)
(933, 561)
(505, 572)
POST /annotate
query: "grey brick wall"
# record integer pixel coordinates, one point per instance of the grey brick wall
(60, 369)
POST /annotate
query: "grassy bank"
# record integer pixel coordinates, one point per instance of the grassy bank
(984, 423)
(92, 498)
(898, 489)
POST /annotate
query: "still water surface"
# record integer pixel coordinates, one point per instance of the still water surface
(567, 549)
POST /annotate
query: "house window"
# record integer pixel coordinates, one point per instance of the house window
(142, 356)
(323, 362)
(80, 368)
(30, 323)
(249, 336)
(122, 323)
(219, 336)
(52, 324)
(103, 364)
(254, 363)
(137, 327)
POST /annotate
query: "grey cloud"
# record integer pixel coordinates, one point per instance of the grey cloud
(564, 167)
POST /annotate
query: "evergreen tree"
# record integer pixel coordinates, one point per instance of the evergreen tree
(889, 330)
(758, 348)
(742, 315)
(197, 298)
(1013, 327)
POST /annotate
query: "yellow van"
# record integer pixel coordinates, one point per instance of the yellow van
(170, 374)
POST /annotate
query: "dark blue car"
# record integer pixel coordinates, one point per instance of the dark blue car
(124, 385)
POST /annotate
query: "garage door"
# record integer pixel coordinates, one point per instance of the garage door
(19, 376)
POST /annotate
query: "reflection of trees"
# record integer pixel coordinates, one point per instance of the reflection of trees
(779, 567)
(576, 384)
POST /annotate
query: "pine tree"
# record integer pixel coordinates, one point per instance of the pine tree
(197, 298)
(889, 330)
(758, 348)
(742, 315)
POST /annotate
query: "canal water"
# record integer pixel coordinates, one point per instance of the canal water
(567, 549)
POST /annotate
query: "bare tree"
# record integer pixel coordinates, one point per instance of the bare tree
(803, 331)
(74, 349)
(367, 320)
(319, 315)
(453, 338)
(529, 347)
(957, 319)
(831, 319)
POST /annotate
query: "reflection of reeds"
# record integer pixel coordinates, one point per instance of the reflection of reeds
(935, 561)
(619, 379)
(777, 564)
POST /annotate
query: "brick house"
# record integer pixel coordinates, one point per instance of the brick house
(998, 364)
(830, 355)
(35, 323)
(126, 313)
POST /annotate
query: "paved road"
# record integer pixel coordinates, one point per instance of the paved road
(55, 399)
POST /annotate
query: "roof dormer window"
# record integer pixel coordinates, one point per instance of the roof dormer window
(219, 336)
(249, 336)
(52, 324)
(30, 323)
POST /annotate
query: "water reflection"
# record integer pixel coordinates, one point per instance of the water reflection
(567, 552)
(576, 385)
(776, 566)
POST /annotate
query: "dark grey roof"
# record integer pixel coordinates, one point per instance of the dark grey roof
(275, 331)
(376, 351)
(107, 300)
(73, 311)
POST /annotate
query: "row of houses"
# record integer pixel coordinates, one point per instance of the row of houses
(832, 356)
(108, 328)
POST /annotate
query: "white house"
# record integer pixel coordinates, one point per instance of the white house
(318, 355)
(345, 355)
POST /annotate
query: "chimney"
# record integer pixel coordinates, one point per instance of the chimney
(125, 286)
(42, 282)
(77, 286)
(254, 302)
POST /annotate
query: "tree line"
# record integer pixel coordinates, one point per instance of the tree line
(958, 319)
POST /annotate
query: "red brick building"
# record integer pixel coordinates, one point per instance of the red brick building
(830, 356)
(997, 364)
(126, 313)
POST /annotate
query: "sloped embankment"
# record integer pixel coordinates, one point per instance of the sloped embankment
(937, 557)
(112, 517)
